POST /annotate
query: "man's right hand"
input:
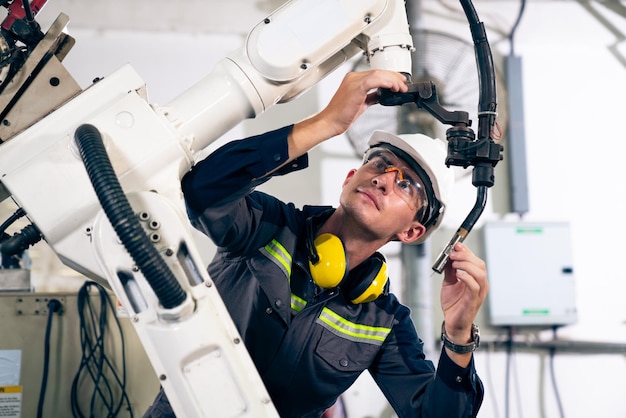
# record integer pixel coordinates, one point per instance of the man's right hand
(355, 94)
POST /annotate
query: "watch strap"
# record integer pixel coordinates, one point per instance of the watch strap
(461, 348)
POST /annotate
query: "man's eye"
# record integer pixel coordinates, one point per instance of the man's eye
(408, 176)
(405, 185)
(379, 165)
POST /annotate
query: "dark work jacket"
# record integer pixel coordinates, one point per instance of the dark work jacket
(309, 344)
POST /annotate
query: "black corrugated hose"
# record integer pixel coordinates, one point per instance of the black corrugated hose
(122, 217)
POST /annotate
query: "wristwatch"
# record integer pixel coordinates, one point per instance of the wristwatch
(458, 348)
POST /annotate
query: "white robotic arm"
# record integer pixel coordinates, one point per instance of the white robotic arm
(287, 53)
(49, 167)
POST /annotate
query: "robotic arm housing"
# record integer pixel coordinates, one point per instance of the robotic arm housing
(286, 54)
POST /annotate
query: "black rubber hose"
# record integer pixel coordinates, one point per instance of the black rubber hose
(19, 242)
(122, 217)
(477, 210)
(16, 215)
(483, 173)
(487, 104)
(30, 17)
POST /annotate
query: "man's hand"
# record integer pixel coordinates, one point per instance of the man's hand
(355, 94)
(463, 292)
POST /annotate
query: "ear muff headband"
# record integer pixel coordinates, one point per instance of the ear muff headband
(328, 266)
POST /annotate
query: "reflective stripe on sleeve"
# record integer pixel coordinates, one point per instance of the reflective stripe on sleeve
(279, 256)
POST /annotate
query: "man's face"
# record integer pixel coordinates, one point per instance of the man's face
(408, 184)
(383, 197)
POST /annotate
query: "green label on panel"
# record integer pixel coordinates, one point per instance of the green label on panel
(536, 311)
(529, 230)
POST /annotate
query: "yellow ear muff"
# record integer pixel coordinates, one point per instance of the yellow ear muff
(331, 268)
(376, 287)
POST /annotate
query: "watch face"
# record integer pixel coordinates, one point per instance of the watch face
(476, 335)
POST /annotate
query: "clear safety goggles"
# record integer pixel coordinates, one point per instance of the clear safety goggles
(408, 185)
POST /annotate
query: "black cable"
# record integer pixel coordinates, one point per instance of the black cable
(553, 377)
(14, 217)
(507, 379)
(28, 11)
(515, 25)
(9, 260)
(36, 34)
(94, 362)
(53, 306)
(510, 350)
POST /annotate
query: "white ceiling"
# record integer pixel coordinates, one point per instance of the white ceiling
(239, 16)
(227, 16)
(232, 16)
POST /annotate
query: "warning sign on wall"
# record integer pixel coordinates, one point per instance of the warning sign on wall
(10, 401)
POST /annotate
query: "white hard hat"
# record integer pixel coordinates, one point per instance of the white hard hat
(429, 154)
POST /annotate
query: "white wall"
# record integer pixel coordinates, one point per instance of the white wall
(574, 175)
(574, 107)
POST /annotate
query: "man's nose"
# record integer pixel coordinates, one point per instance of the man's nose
(385, 180)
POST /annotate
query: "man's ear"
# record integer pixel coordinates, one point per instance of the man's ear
(411, 234)
(349, 176)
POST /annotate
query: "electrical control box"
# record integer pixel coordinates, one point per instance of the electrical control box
(531, 274)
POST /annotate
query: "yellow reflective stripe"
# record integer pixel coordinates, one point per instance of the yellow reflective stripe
(280, 254)
(297, 303)
(350, 330)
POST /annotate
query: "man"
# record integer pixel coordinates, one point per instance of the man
(310, 330)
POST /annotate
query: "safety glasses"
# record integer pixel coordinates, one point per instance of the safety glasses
(408, 185)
